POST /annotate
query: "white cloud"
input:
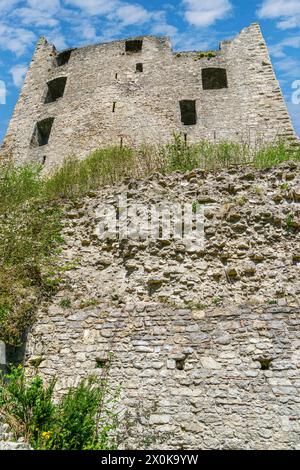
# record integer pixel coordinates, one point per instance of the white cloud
(206, 12)
(287, 12)
(165, 29)
(87, 31)
(29, 16)
(131, 14)
(7, 5)
(278, 50)
(18, 73)
(16, 40)
(94, 7)
(49, 6)
(289, 67)
(57, 38)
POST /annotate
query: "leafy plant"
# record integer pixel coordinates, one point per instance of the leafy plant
(65, 303)
(289, 221)
(85, 418)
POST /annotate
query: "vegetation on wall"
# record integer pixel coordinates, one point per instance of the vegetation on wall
(32, 210)
(86, 418)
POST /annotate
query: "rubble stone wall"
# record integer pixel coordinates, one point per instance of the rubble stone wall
(205, 340)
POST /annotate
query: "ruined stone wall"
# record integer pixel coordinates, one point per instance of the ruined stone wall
(147, 107)
(205, 340)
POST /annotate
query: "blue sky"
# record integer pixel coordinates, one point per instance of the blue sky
(191, 24)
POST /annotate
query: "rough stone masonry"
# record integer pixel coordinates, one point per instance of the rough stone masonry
(205, 340)
(138, 91)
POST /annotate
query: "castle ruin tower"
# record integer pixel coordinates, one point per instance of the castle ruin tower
(138, 91)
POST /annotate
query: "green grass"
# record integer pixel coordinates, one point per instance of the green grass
(31, 210)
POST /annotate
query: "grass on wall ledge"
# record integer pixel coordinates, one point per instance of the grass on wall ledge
(31, 210)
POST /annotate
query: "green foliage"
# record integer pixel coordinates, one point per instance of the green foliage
(83, 419)
(29, 229)
(216, 300)
(289, 221)
(272, 155)
(65, 303)
(178, 156)
(206, 55)
(105, 166)
(27, 407)
(17, 185)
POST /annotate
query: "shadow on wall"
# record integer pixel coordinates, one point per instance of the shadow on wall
(11, 354)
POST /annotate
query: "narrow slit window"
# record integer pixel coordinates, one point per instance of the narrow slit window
(42, 132)
(214, 78)
(114, 107)
(63, 58)
(134, 46)
(56, 89)
(188, 112)
(139, 68)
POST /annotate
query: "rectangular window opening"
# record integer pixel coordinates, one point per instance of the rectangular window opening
(139, 68)
(188, 112)
(56, 89)
(42, 131)
(134, 46)
(214, 78)
(114, 107)
(63, 57)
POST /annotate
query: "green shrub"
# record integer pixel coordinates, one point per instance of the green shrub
(178, 156)
(84, 419)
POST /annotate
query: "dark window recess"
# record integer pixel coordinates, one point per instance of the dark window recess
(56, 89)
(42, 132)
(214, 78)
(44, 160)
(188, 112)
(63, 57)
(114, 107)
(180, 363)
(101, 363)
(134, 46)
(139, 68)
(265, 363)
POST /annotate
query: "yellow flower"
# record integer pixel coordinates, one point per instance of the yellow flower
(46, 435)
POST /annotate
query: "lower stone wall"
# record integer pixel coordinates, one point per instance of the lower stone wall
(190, 379)
(205, 341)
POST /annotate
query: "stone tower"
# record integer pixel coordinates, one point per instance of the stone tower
(138, 91)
